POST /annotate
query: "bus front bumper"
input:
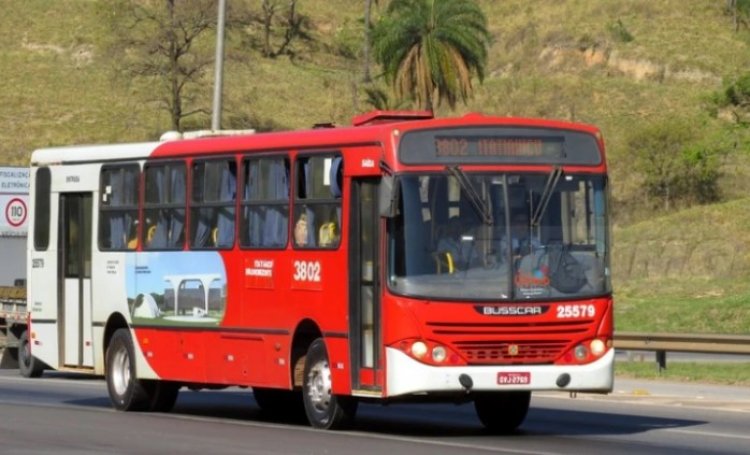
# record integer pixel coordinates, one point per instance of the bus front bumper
(407, 376)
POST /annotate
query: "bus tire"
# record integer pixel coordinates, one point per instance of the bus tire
(502, 412)
(324, 409)
(126, 392)
(280, 404)
(28, 365)
(163, 395)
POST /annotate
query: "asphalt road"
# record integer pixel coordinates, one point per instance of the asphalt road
(66, 414)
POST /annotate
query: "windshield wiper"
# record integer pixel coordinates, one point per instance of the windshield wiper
(549, 187)
(481, 205)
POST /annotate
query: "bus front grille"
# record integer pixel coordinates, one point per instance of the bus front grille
(507, 343)
(505, 352)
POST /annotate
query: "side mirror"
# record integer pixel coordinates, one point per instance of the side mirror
(388, 196)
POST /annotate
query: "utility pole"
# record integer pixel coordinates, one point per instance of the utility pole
(219, 70)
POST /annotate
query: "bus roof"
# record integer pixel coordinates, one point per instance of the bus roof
(369, 129)
(89, 153)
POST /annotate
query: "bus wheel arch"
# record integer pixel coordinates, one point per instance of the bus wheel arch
(116, 321)
(305, 334)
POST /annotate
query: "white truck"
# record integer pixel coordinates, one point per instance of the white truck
(14, 339)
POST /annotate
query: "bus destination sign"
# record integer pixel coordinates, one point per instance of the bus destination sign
(499, 145)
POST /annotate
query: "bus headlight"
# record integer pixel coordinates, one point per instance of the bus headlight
(430, 352)
(439, 354)
(597, 347)
(418, 349)
(581, 352)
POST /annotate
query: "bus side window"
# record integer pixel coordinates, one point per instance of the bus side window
(164, 207)
(213, 204)
(318, 201)
(42, 189)
(118, 190)
(265, 202)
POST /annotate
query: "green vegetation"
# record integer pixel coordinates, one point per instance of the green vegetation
(729, 373)
(430, 50)
(685, 272)
(675, 161)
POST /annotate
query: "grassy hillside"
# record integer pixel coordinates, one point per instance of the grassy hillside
(685, 272)
(619, 65)
(549, 58)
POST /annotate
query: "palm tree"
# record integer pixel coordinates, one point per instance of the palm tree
(368, 38)
(377, 98)
(430, 49)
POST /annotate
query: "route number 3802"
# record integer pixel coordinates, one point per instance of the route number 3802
(575, 311)
(307, 271)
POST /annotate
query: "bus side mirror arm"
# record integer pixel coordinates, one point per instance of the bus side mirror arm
(388, 196)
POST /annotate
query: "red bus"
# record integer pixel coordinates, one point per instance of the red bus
(402, 258)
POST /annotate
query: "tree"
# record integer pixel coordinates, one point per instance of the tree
(679, 161)
(159, 39)
(368, 39)
(430, 49)
(740, 11)
(378, 98)
(292, 22)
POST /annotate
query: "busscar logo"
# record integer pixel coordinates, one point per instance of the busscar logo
(511, 310)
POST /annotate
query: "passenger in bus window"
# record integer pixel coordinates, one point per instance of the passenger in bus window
(329, 231)
(458, 242)
(521, 240)
(300, 230)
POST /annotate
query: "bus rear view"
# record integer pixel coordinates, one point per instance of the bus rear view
(498, 280)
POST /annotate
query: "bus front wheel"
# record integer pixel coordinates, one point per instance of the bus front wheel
(502, 412)
(126, 392)
(324, 409)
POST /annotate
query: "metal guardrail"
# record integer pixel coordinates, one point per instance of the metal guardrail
(661, 343)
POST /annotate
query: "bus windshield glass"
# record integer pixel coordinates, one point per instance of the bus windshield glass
(477, 236)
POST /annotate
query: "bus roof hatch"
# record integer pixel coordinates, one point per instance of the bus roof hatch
(378, 117)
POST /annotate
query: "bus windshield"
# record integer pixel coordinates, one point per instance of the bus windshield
(478, 236)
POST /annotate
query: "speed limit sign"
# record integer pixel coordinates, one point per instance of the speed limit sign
(15, 212)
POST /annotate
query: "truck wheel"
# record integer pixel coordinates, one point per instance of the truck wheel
(126, 392)
(28, 365)
(502, 412)
(324, 409)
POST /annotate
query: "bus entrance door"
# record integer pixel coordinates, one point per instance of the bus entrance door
(74, 242)
(364, 299)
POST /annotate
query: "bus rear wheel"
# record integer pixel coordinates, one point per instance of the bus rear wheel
(502, 412)
(324, 409)
(162, 395)
(28, 365)
(126, 392)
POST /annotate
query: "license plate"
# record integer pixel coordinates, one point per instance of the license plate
(518, 378)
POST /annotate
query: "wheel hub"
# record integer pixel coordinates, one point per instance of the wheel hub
(120, 372)
(319, 380)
